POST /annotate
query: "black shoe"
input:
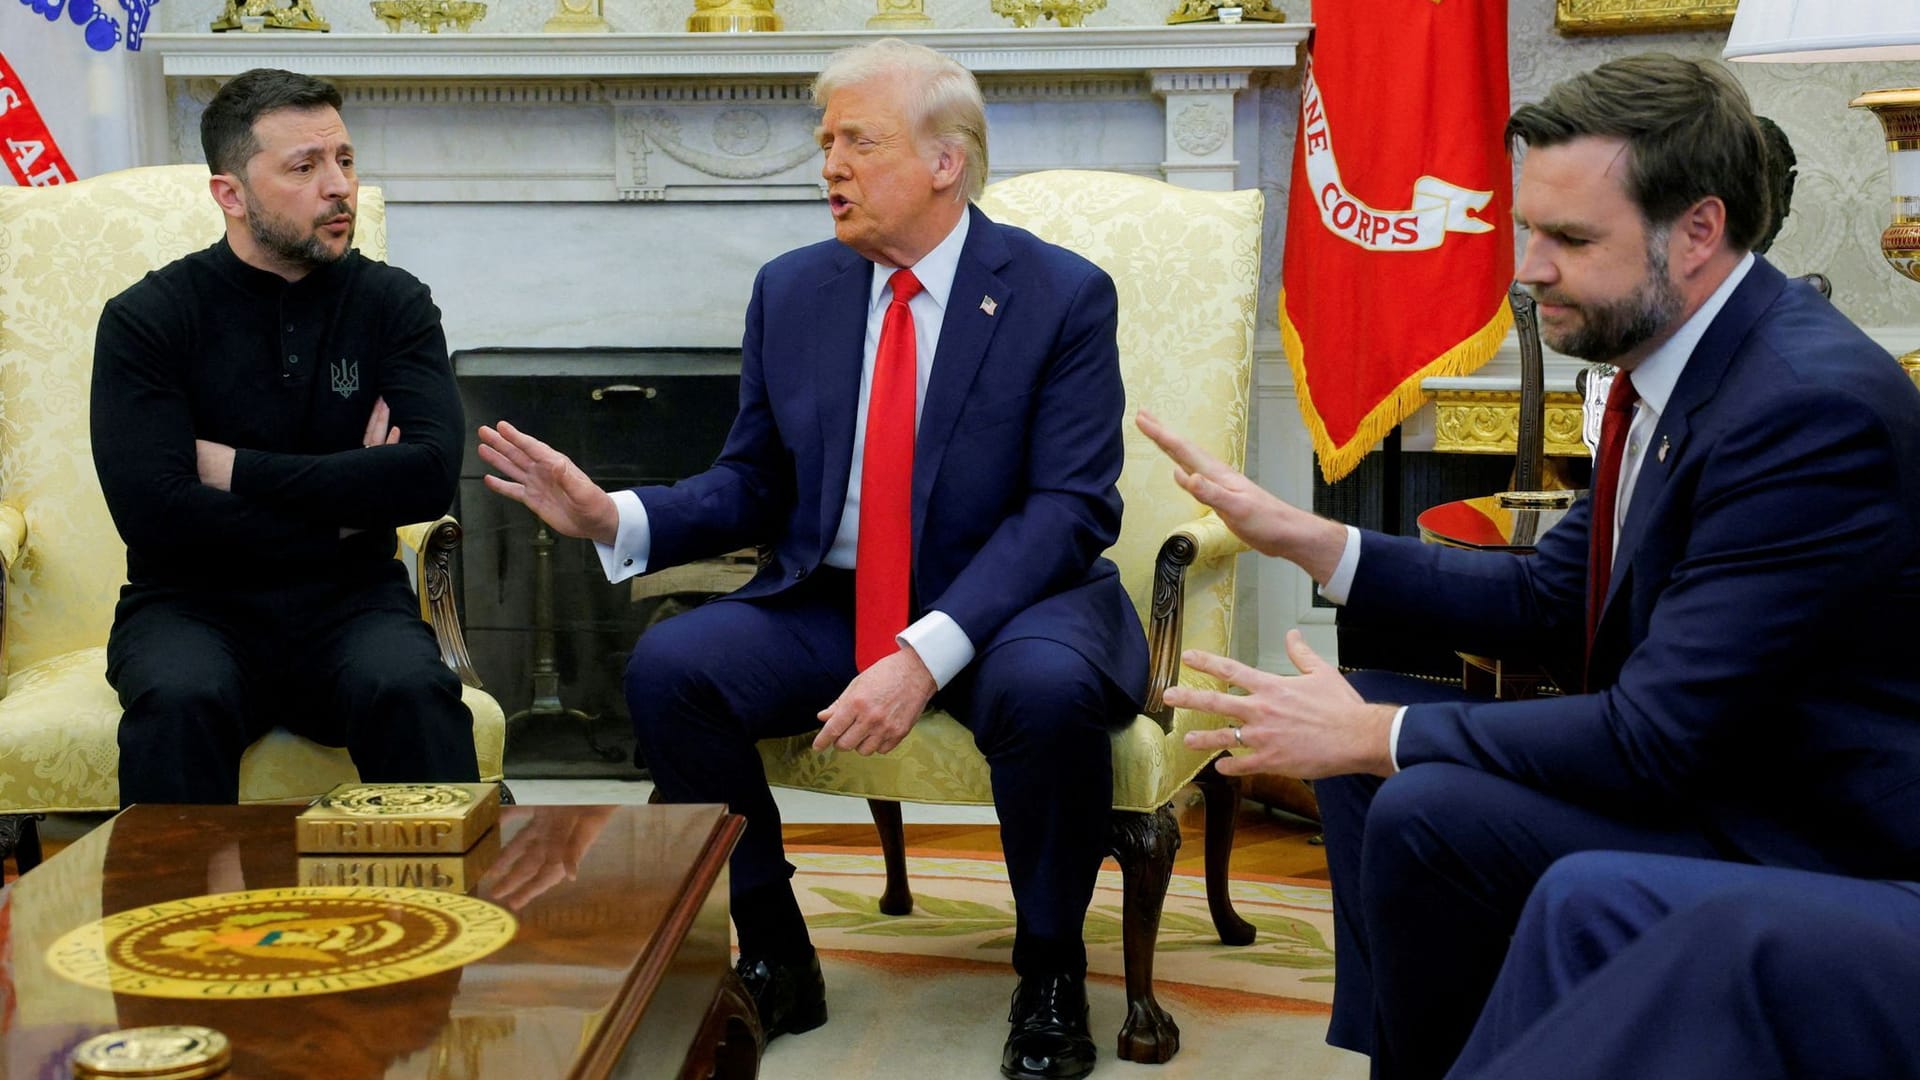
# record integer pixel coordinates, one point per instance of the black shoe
(791, 996)
(1049, 1040)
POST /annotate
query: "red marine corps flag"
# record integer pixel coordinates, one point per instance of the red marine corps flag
(1399, 227)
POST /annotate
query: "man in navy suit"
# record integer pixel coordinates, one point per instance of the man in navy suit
(1655, 966)
(967, 573)
(1733, 689)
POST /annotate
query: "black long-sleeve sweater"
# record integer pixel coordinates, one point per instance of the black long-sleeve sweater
(211, 348)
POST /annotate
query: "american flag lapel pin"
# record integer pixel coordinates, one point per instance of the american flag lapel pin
(989, 305)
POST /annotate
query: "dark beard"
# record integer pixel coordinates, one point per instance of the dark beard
(1610, 331)
(286, 243)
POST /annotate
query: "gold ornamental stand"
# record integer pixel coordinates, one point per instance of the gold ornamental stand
(900, 15)
(578, 17)
(732, 16)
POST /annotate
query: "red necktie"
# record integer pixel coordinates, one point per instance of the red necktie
(1606, 491)
(883, 559)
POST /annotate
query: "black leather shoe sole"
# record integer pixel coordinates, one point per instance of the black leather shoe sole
(804, 1017)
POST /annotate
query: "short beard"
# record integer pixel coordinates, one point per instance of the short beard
(281, 239)
(1610, 331)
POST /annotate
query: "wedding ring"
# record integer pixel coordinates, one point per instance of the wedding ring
(1239, 738)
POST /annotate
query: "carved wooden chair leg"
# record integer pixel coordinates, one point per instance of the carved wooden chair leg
(1223, 813)
(898, 899)
(1144, 844)
(20, 838)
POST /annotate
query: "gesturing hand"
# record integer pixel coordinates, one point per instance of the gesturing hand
(547, 482)
(879, 706)
(1309, 725)
(1253, 514)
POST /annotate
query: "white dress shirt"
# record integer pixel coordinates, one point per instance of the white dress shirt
(1654, 379)
(938, 640)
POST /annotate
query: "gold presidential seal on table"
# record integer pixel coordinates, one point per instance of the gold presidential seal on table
(170, 1052)
(278, 943)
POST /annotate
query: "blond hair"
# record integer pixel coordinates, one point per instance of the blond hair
(944, 103)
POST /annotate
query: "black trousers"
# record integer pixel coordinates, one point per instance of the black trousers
(201, 674)
(705, 685)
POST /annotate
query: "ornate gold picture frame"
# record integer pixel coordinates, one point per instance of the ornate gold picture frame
(1641, 16)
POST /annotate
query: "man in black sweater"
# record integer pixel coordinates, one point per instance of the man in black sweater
(265, 412)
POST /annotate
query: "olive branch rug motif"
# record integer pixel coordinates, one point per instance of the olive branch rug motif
(963, 910)
(926, 994)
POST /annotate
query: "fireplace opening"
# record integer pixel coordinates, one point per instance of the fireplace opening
(548, 635)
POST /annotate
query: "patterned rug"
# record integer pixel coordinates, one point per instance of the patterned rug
(926, 994)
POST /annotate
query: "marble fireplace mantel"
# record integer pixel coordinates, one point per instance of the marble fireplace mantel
(1206, 47)
(726, 117)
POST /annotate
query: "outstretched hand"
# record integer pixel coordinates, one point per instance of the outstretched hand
(548, 483)
(1254, 515)
(1268, 524)
(1309, 725)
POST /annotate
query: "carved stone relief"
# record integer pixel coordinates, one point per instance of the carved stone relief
(1200, 128)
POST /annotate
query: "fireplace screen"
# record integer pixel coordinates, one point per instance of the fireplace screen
(548, 634)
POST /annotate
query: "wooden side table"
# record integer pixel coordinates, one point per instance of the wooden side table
(1485, 524)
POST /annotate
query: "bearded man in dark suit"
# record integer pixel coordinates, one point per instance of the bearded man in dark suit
(1723, 628)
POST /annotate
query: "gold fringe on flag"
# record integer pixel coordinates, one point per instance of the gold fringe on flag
(1462, 359)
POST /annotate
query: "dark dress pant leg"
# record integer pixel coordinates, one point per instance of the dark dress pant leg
(375, 683)
(704, 686)
(1450, 855)
(1343, 803)
(1651, 966)
(1437, 862)
(1043, 717)
(183, 666)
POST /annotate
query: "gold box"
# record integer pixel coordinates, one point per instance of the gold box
(441, 873)
(397, 819)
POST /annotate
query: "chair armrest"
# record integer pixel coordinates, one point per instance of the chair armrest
(13, 542)
(1205, 539)
(432, 544)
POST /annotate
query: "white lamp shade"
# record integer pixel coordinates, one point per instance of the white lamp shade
(1808, 31)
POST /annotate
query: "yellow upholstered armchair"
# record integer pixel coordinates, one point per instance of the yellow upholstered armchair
(1187, 267)
(65, 251)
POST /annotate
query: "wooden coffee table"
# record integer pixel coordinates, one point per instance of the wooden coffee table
(619, 967)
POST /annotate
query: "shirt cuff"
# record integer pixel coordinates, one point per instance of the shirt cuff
(1393, 737)
(627, 555)
(1340, 582)
(941, 644)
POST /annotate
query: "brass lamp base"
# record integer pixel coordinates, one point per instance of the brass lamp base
(1899, 115)
(732, 16)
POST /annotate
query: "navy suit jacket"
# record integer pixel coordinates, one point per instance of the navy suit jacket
(1756, 653)
(1015, 461)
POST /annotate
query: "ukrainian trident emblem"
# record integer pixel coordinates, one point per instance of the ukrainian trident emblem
(346, 377)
